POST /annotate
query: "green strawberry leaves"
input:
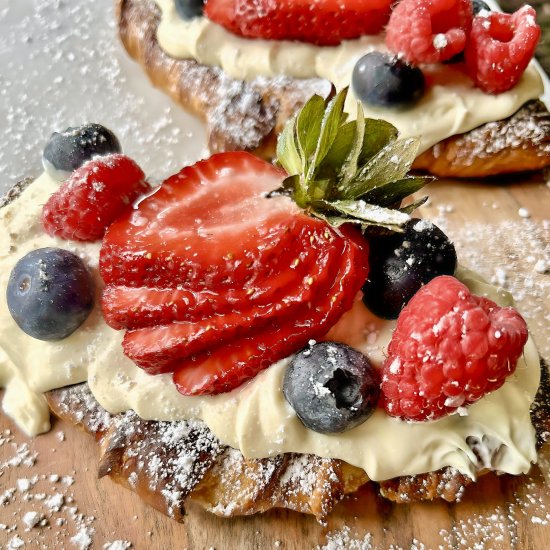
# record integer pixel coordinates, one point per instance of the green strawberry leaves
(348, 172)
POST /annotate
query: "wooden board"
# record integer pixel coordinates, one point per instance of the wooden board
(499, 512)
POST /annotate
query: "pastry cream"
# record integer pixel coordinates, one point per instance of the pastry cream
(450, 106)
(254, 418)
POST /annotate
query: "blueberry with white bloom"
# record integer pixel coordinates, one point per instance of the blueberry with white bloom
(68, 150)
(331, 387)
(50, 293)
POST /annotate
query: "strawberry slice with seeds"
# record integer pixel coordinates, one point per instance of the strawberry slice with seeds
(158, 349)
(324, 23)
(209, 225)
(138, 307)
(209, 263)
(227, 367)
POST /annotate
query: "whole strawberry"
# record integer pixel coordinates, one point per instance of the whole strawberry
(449, 349)
(93, 197)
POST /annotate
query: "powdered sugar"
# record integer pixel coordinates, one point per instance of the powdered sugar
(83, 538)
(117, 545)
(529, 127)
(170, 456)
(62, 65)
(38, 508)
(346, 538)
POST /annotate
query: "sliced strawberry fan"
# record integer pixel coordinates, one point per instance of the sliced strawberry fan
(233, 264)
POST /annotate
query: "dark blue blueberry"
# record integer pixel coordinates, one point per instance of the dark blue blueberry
(189, 9)
(50, 293)
(68, 150)
(332, 387)
(382, 80)
(402, 262)
(478, 5)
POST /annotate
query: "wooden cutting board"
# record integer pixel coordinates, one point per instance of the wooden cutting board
(503, 231)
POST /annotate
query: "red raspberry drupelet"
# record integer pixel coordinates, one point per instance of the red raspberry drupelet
(500, 48)
(449, 349)
(429, 31)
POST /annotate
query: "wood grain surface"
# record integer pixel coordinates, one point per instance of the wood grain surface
(488, 223)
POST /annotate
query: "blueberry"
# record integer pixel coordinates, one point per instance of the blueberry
(189, 9)
(479, 5)
(68, 150)
(382, 80)
(50, 293)
(332, 387)
(402, 262)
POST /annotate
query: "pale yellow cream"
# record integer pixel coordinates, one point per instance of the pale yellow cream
(254, 418)
(450, 106)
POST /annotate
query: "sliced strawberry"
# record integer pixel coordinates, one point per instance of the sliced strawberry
(207, 226)
(158, 349)
(209, 265)
(138, 307)
(228, 366)
(325, 23)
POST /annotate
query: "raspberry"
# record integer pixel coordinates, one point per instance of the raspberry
(93, 197)
(500, 48)
(429, 31)
(449, 349)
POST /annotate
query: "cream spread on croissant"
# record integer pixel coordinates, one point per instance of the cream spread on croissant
(450, 106)
(254, 418)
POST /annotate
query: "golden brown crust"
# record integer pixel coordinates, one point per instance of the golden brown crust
(516, 144)
(240, 115)
(167, 463)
